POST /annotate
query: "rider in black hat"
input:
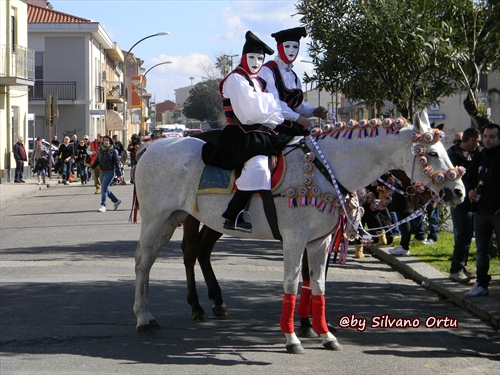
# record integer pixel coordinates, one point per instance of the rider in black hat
(248, 138)
(285, 85)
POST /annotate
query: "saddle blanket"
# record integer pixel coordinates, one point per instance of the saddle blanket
(214, 180)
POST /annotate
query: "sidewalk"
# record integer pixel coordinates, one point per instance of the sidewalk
(487, 308)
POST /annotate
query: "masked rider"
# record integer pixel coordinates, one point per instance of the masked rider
(248, 138)
(285, 85)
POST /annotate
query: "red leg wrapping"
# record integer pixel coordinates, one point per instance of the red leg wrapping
(304, 308)
(286, 322)
(318, 314)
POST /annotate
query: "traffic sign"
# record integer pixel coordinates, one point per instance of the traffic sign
(436, 116)
(97, 112)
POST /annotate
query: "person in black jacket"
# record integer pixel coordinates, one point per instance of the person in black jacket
(483, 186)
(66, 157)
(462, 217)
(109, 164)
(20, 157)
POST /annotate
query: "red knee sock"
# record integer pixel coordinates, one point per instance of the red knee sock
(304, 308)
(318, 314)
(286, 322)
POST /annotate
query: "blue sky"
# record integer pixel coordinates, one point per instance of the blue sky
(200, 31)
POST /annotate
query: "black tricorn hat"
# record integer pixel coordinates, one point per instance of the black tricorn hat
(254, 45)
(290, 35)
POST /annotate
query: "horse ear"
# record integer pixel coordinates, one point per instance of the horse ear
(421, 122)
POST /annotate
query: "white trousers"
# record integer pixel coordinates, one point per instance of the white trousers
(255, 174)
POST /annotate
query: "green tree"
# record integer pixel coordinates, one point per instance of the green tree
(477, 41)
(407, 52)
(205, 104)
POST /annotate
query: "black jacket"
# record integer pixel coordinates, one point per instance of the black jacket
(485, 166)
(458, 158)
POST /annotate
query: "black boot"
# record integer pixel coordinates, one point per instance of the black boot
(235, 206)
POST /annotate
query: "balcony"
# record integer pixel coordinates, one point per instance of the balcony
(63, 90)
(17, 66)
(115, 92)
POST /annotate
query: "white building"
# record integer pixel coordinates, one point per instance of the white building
(17, 75)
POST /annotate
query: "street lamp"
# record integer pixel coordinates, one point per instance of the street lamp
(142, 85)
(231, 57)
(317, 87)
(162, 33)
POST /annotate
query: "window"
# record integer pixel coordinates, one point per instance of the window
(13, 35)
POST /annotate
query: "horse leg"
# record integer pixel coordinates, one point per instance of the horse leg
(317, 264)
(293, 245)
(154, 236)
(189, 249)
(304, 308)
(206, 242)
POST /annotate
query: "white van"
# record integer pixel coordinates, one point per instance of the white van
(178, 128)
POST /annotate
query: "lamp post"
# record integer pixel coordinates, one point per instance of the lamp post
(125, 69)
(231, 57)
(142, 85)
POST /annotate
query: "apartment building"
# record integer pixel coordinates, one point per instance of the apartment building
(17, 75)
(76, 61)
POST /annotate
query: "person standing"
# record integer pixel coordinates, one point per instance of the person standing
(66, 156)
(119, 147)
(74, 141)
(39, 160)
(483, 187)
(133, 146)
(109, 164)
(461, 216)
(249, 137)
(20, 157)
(285, 85)
(94, 149)
(80, 156)
(55, 142)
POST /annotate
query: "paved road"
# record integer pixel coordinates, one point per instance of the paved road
(67, 289)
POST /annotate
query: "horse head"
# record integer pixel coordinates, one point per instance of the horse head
(431, 164)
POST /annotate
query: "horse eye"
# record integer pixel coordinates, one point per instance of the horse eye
(433, 154)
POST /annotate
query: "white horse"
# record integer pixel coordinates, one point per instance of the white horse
(167, 176)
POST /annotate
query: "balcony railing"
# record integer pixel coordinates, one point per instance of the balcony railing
(17, 62)
(64, 90)
(114, 91)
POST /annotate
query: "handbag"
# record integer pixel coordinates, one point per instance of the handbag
(86, 162)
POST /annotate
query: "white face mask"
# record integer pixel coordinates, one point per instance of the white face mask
(291, 50)
(254, 62)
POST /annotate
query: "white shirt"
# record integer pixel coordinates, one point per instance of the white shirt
(304, 109)
(249, 105)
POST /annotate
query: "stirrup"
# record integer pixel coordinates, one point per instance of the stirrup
(240, 228)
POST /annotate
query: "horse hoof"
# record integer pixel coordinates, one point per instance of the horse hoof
(332, 345)
(145, 329)
(220, 311)
(295, 349)
(308, 332)
(199, 316)
(154, 325)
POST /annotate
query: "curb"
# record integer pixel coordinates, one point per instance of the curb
(487, 308)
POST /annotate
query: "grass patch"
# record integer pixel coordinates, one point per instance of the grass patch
(439, 254)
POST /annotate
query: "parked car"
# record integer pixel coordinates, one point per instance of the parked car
(172, 134)
(189, 132)
(31, 144)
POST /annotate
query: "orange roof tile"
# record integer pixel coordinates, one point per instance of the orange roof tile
(38, 14)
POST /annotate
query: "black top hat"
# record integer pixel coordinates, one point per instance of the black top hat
(254, 45)
(290, 35)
